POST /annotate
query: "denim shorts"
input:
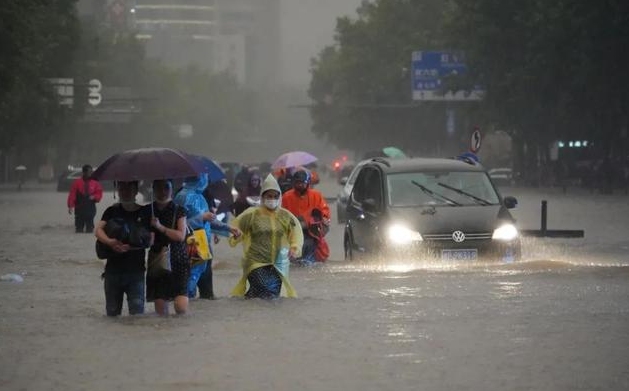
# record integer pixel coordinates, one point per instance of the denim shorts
(119, 284)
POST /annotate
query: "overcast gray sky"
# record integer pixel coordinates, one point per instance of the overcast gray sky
(307, 27)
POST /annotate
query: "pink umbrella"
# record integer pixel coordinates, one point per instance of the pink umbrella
(293, 159)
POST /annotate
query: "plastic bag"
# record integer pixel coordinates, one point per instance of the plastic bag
(198, 246)
(282, 263)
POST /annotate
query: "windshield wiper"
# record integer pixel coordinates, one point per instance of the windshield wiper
(435, 195)
(472, 196)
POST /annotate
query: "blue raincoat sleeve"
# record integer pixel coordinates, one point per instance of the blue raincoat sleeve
(220, 227)
(191, 198)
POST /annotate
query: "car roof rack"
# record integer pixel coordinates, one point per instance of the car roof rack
(381, 160)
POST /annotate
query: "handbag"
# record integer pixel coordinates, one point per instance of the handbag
(197, 246)
(317, 229)
(116, 228)
(158, 262)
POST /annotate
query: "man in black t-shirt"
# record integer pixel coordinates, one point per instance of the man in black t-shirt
(124, 271)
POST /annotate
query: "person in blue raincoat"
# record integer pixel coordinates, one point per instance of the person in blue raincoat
(199, 217)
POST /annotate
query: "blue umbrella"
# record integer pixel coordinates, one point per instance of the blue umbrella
(214, 171)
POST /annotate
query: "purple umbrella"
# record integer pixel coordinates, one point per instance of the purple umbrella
(149, 164)
(293, 159)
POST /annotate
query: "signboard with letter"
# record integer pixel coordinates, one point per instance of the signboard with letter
(471, 156)
(94, 97)
(429, 68)
(64, 87)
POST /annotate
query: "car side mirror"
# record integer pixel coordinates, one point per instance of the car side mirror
(343, 181)
(510, 202)
(370, 205)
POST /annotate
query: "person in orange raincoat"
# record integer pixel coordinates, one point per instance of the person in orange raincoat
(313, 212)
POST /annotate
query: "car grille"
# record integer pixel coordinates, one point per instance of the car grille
(468, 236)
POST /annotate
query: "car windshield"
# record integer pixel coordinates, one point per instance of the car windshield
(440, 188)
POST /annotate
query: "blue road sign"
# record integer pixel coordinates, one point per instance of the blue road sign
(430, 68)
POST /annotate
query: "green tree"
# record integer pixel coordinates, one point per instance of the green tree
(361, 85)
(37, 41)
(213, 104)
(551, 70)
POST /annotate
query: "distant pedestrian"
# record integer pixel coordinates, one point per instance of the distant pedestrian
(241, 180)
(250, 190)
(21, 174)
(85, 192)
(284, 179)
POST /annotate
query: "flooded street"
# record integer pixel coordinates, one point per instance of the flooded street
(559, 320)
(478, 151)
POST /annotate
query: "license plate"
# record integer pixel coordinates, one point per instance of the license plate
(459, 255)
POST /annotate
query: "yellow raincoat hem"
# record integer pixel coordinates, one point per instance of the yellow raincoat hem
(241, 287)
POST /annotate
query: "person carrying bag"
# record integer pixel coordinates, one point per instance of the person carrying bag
(168, 262)
(158, 261)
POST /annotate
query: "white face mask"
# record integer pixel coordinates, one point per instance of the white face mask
(271, 203)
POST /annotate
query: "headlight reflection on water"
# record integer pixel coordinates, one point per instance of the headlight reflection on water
(399, 268)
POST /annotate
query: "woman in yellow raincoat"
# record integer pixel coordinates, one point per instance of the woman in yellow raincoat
(271, 236)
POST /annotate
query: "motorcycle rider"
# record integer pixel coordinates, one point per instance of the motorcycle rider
(310, 208)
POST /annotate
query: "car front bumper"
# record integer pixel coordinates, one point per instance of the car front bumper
(473, 250)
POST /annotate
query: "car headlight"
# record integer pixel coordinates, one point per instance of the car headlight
(399, 234)
(506, 232)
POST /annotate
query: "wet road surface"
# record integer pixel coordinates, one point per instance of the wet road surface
(557, 321)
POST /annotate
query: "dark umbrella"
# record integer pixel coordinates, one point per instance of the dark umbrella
(214, 171)
(148, 163)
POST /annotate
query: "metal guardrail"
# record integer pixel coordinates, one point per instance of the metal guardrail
(544, 232)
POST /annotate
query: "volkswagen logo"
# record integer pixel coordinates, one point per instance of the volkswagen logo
(458, 236)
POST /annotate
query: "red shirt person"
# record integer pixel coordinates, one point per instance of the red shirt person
(302, 201)
(85, 192)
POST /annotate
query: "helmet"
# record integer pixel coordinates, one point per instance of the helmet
(301, 176)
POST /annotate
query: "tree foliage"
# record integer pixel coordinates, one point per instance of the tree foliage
(37, 39)
(361, 85)
(214, 105)
(42, 39)
(551, 70)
